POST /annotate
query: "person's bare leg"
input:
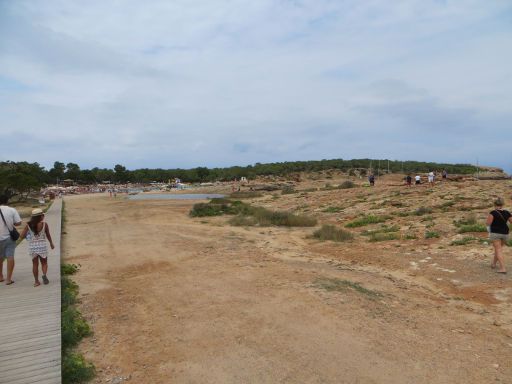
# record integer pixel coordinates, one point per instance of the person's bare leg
(44, 268)
(10, 269)
(35, 271)
(498, 254)
(1, 269)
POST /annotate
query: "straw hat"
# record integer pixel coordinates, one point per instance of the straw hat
(37, 212)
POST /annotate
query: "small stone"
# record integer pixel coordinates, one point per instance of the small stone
(496, 366)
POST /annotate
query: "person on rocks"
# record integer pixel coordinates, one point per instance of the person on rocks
(497, 226)
(10, 218)
(37, 233)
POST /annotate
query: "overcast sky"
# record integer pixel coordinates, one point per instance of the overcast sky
(186, 83)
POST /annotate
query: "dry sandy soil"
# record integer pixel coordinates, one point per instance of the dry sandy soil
(174, 299)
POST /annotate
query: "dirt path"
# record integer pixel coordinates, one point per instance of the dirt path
(178, 300)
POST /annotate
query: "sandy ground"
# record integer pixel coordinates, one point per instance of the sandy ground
(174, 299)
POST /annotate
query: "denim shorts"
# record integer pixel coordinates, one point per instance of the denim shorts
(497, 236)
(7, 248)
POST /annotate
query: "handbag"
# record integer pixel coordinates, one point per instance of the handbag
(15, 235)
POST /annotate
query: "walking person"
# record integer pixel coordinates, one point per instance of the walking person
(371, 180)
(431, 177)
(408, 180)
(498, 232)
(37, 232)
(10, 219)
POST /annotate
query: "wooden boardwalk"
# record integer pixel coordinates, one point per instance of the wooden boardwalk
(30, 334)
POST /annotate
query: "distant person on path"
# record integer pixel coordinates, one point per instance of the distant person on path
(37, 232)
(10, 219)
(417, 179)
(431, 177)
(408, 180)
(444, 175)
(498, 232)
(371, 179)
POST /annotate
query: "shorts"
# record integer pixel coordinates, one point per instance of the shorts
(498, 236)
(7, 248)
(418, 182)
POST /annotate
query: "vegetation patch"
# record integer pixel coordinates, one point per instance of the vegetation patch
(422, 211)
(431, 235)
(245, 195)
(332, 209)
(347, 184)
(472, 228)
(384, 229)
(288, 190)
(366, 220)
(248, 215)
(339, 285)
(463, 241)
(330, 232)
(383, 236)
(73, 329)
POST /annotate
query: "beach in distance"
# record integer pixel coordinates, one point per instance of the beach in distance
(340, 283)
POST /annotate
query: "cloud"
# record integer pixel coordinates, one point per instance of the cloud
(188, 83)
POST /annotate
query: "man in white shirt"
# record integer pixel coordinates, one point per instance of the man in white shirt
(417, 178)
(7, 245)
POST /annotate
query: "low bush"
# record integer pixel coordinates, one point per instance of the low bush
(287, 190)
(330, 232)
(69, 269)
(468, 220)
(75, 369)
(245, 195)
(366, 220)
(332, 209)
(347, 184)
(472, 228)
(74, 327)
(463, 241)
(384, 236)
(410, 236)
(422, 211)
(431, 235)
(384, 229)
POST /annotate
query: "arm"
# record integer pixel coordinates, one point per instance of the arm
(23, 234)
(16, 219)
(48, 236)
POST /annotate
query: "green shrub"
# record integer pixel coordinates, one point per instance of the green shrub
(468, 220)
(422, 211)
(431, 235)
(75, 369)
(347, 184)
(69, 269)
(463, 241)
(366, 220)
(69, 292)
(383, 236)
(330, 232)
(245, 195)
(410, 236)
(333, 209)
(384, 229)
(206, 209)
(288, 189)
(74, 327)
(472, 228)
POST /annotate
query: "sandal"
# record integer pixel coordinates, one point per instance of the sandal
(45, 279)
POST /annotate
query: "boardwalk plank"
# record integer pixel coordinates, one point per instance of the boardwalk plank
(30, 338)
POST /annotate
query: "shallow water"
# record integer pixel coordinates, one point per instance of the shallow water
(169, 196)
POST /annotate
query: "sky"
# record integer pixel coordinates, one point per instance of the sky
(187, 83)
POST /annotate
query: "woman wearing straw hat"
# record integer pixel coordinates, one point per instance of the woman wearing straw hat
(498, 232)
(37, 232)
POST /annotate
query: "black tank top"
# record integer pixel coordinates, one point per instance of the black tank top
(499, 224)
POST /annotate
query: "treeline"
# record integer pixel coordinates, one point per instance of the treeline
(22, 177)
